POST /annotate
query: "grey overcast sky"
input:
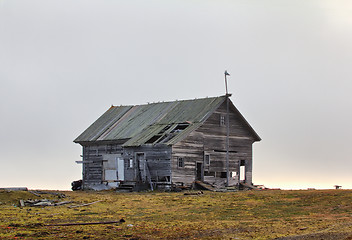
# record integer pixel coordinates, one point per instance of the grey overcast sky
(64, 62)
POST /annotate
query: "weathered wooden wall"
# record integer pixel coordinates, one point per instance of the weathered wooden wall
(210, 139)
(157, 157)
(95, 158)
(92, 170)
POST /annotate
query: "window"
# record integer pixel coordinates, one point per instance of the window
(207, 159)
(222, 120)
(130, 163)
(180, 162)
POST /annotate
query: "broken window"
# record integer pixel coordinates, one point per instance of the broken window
(180, 162)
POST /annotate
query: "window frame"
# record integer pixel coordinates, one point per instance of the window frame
(180, 162)
(130, 163)
(222, 120)
(207, 161)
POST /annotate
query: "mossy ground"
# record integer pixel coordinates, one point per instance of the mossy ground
(158, 215)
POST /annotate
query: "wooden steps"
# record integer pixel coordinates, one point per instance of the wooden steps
(204, 186)
(125, 188)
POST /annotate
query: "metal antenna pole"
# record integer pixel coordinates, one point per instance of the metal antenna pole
(226, 74)
(227, 132)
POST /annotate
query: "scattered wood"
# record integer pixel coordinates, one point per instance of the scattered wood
(75, 224)
(34, 193)
(42, 203)
(194, 193)
(63, 203)
(248, 186)
(86, 204)
(15, 189)
(204, 186)
(38, 193)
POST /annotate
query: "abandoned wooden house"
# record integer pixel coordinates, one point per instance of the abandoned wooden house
(160, 145)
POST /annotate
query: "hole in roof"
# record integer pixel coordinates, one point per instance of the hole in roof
(166, 134)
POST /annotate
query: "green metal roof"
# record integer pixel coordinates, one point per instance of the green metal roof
(137, 124)
(164, 122)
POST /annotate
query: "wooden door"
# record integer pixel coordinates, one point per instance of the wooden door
(120, 169)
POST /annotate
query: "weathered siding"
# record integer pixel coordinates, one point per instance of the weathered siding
(92, 170)
(98, 159)
(157, 158)
(210, 139)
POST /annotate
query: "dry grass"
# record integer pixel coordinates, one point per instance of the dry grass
(155, 215)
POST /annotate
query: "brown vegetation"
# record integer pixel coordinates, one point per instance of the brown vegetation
(316, 214)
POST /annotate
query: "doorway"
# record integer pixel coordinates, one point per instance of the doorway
(199, 171)
(243, 171)
(141, 171)
(120, 168)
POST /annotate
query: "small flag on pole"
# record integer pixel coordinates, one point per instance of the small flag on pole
(226, 73)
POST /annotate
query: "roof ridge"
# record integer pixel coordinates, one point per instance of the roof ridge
(150, 103)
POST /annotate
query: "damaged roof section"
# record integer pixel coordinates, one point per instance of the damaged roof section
(155, 123)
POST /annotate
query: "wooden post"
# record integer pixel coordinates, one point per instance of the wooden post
(227, 131)
(227, 141)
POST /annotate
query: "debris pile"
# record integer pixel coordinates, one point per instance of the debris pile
(39, 193)
(42, 203)
(15, 189)
(76, 185)
(193, 193)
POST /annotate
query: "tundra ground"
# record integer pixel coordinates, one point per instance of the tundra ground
(314, 214)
